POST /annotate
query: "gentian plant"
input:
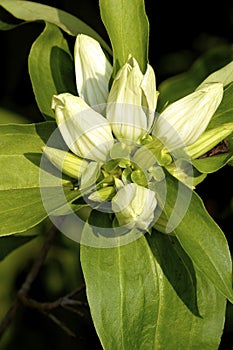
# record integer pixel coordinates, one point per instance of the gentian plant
(115, 166)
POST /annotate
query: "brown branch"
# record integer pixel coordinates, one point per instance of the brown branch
(22, 295)
(49, 306)
(10, 315)
(37, 263)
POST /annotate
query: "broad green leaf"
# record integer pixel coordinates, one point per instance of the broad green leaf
(135, 296)
(31, 11)
(190, 308)
(198, 234)
(128, 29)
(183, 84)
(123, 294)
(10, 243)
(21, 205)
(20, 210)
(51, 68)
(207, 246)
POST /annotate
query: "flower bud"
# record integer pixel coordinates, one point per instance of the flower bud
(66, 162)
(183, 122)
(103, 194)
(134, 206)
(93, 72)
(87, 133)
(132, 101)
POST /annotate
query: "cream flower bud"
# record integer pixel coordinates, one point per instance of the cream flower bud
(134, 206)
(93, 72)
(87, 133)
(132, 101)
(183, 122)
(66, 162)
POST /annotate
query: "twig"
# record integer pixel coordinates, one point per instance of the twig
(37, 263)
(43, 307)
(61, 325)
(10, 315)
(49, 306)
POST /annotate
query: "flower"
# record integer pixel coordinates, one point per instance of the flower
(116, 132)
(101, 136)
(86, 132)
(185, 120)
(134, 206)
(132, 101)
(93, 72)
(66, 162)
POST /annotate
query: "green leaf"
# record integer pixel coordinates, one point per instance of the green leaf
(123, 293)
(184, 291)
(198, 234)
(8, 244)
(21, 206)
(183, 84)
(135, 296)
(128, 28)
(51, 68)
(30, 11)
(211, 164)
(207, 246)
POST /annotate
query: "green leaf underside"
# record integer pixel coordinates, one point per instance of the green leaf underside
(30, 11)
(200, 236)
(134, 305)
(51, 67)
(10, 243)
(128, 29)
(183, 84)
(21, 205)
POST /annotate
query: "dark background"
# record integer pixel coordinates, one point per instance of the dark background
(179, 33)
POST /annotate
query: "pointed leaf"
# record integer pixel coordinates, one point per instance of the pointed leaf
(21, 205)
(128, 28)
(123, 294)
(135, 296)
(190, 308)
(211, 164)
(198, 234)
(51, 68)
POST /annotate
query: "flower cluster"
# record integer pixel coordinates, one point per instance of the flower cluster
(117, 141)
